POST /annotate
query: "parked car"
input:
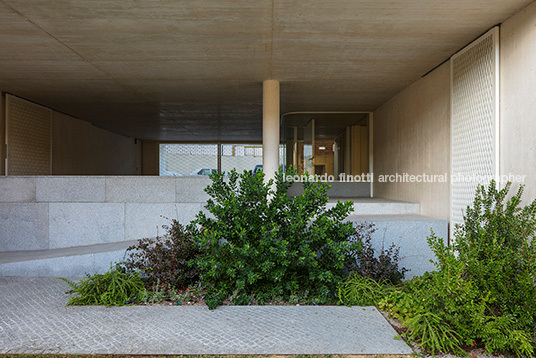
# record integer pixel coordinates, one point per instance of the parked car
(258, 168)
(167, 173)
(203, 171)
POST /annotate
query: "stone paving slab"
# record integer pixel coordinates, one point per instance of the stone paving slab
(34, 319)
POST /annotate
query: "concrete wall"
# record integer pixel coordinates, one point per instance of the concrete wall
(518, 98)
(38, 213)
(79, 148)
(412, 135)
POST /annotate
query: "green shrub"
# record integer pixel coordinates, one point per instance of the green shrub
(113, 288)
(260, 243)
(437, 304)
(484, 288)
(496, 245)
(164, 260)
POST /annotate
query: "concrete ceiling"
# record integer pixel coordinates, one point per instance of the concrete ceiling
(193, 70)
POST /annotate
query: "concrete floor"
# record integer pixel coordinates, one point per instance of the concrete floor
(35, 320)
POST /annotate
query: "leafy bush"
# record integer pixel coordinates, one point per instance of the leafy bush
(113, 288)
(165, 259)
(382, 267)
(484, 288)
(260, 243)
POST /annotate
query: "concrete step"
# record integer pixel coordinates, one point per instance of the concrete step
(375, 206)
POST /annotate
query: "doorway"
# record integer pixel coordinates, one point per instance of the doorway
(332, 145)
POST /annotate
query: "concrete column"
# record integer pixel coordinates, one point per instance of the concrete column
(270, 128)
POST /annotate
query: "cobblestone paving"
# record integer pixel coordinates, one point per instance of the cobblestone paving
(34, 319)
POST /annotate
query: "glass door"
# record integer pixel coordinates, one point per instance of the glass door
(329, 145)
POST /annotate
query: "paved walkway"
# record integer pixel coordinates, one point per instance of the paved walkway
(34, 319)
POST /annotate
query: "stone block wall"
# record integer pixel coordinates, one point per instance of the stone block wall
(39, 213)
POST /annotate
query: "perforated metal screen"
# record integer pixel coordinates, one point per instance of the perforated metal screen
(474, 120)
(202, 159)
(240, 157)
(27, 137)
(188, 159)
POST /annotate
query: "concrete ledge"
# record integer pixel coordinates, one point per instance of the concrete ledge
(140, 190)
(31, 255)
(17, 190)
(70, 189)
(67, 266)
(409, 232)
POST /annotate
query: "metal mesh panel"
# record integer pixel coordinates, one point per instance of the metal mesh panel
(474, 123)
(202, 159)
(28, 137)
(188, 159)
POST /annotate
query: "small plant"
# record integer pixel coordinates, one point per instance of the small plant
(433, 334)
(180, 297)
(164, 260)
(259, 243)
(158, 293)
(113, 288)
(358, 290)
(382, 267)
(176, 296)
